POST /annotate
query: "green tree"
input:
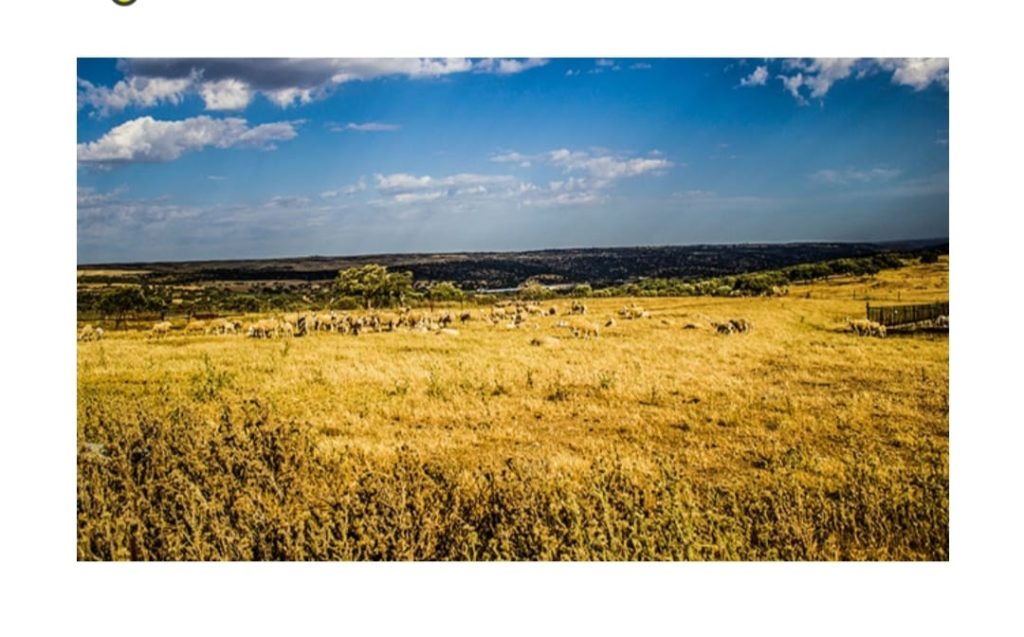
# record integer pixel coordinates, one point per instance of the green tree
(534, 291)
(444, 292)
(374, 285)
(121, 302)
(581, 289)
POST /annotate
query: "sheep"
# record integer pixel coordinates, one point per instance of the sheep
(724, 328)
(99, 333)
(578, 308)
(865, 327)
(583, 329)
(545, 341)
(942, 321)
(741, 325)
(634, 311)
(446, 319)
(691, 326)
(552, 311)
(160, 329)
(267, 328)
(87, 333)
(610, 323)
(465, 316)
(195, 327)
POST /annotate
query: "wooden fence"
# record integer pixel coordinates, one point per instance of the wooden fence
(894, 315)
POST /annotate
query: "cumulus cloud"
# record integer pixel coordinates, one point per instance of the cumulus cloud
(854, 176)
(132, 92)
(149, 140)
(919, 73)
(816, 76)
(365, 127)
(757, 78)
(228, 94)
(232, 83)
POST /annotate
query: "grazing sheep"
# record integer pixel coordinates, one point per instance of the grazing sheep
(578, 308)
(583, 329)
(99, 333)
(465, 316)
(160, 330)
(195, 327)
(87, 333)
(864, 327)
(266, 328)
(552, 311)
(741, 325)
(634, 311)
(610, 323)
(724, 328)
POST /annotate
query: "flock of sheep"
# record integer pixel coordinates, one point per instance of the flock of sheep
(510, 315)
(865, 327)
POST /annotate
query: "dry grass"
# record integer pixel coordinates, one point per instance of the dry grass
(795, 441)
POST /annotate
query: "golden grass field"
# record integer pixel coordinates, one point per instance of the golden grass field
(797, 440)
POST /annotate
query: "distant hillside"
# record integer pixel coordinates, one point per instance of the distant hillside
(475, 270)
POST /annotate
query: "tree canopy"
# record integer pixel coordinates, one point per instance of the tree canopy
(374, 285)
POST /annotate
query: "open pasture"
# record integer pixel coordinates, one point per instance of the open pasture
(658, 439)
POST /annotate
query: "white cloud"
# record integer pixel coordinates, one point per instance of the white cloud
(524, 161)
(149, 140)
(418, 197)
(606, 166)
(403, 182)
(822, 73)
(793, 84)
(225, 95)
(508, 66)
(757, 78)
(919, 73)
(640, 66)
(818, 75)
(365, 127)
(605, 62)
(132, 92)
(853, 175)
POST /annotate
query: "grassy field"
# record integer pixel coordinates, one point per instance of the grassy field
(797, 440)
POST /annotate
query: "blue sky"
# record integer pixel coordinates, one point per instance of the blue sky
(219, 159)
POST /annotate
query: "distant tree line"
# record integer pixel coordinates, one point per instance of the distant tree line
(373, 286)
